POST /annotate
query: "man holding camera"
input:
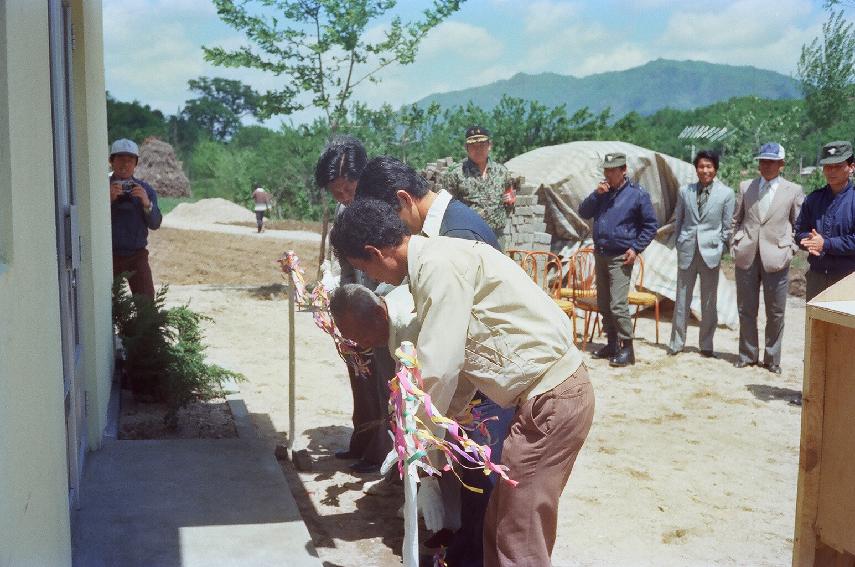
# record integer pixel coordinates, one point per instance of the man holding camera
(133, 211)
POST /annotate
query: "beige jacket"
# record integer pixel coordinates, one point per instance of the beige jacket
(485, 325)
(772, 235)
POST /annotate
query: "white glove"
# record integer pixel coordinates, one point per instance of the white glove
(430, 503)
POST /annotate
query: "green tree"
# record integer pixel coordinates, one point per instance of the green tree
(220, 106)
(133, 120)
(826, 70)
(320, 47)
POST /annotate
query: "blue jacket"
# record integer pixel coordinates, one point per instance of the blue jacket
(459, 221)
(834, 218)
(130, 224)
(623, 219)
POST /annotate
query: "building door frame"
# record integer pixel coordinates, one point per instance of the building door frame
(68, 240)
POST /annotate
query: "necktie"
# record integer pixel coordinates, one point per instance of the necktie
(765, 199)
(703, 193)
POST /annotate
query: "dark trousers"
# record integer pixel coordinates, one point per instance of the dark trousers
(370, 440)
(817, 282)
(466, 548)
(546, 436)
(613, 295)
(140, 280)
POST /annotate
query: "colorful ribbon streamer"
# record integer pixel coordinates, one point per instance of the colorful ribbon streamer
(412, 444)
(357, 359)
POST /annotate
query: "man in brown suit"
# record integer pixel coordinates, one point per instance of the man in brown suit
(766, 210)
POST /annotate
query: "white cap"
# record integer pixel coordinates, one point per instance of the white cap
(124, 146)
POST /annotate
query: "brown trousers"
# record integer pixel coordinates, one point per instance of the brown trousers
(546, 435)
(140, 280)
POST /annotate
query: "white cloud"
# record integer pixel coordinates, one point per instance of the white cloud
(764, 33)
(548, 16)
(459, 39)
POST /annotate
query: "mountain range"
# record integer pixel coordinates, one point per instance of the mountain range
(659, 84)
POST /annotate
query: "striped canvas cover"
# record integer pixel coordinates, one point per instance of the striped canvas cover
(567, 173)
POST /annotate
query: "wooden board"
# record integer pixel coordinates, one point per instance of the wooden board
(813, 398)
(835, 524)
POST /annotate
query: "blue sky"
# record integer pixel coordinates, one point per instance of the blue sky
(153, 47)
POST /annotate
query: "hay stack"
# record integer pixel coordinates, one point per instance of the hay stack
(159, 166)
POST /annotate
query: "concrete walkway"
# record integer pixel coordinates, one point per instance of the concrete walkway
(188, 503)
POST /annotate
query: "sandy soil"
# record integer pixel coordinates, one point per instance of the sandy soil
(689, 462)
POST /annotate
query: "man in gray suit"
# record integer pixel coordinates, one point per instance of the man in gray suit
(702, 223)
(763, 245)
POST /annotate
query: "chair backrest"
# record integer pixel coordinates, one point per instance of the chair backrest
(518, 256)
(544, 268)
(582, 274)
(638, 274)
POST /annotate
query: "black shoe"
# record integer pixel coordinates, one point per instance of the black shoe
(773, 368)
(707, 354)
(743, 364)
(625, 356)
(607, 351)
(345, 455)
(363, 467)
(673, 352)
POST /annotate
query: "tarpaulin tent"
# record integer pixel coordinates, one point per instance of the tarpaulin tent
(567, 173)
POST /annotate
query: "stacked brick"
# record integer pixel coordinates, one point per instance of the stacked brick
(434, 170)
(525, 228)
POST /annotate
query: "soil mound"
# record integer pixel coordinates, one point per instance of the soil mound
(208, 211)
(159, 166)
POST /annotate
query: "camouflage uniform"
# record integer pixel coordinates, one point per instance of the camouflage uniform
(484, 196)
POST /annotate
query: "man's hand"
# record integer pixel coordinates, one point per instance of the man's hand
(629, 257)
(430, 503)
(140, 194)
(603, 187)
(115, 191)
(813, 243)
(509, 197)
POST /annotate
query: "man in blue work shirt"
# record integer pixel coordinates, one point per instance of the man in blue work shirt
(624, 225)
(826, 224)
(133, 211)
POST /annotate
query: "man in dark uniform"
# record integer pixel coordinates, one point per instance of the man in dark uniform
(826, 223)
(624, 225)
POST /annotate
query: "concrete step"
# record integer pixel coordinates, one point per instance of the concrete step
(188, 503)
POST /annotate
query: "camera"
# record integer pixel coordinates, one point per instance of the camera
(128, 187)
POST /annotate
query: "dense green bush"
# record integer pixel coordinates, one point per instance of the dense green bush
(164, 352)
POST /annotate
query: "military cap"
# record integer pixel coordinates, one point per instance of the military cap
(475, 134)
(835, 152)
(614, 159)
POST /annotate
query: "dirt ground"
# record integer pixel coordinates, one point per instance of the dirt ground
(689, 461)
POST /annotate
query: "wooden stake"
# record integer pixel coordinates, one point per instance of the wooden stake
(324, 230)
(292, 367)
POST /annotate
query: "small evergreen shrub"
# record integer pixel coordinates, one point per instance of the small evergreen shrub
(164, 352)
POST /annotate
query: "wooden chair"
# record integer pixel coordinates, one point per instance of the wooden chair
(518, 256)
(642, 299)
(582, 290)
(545, 269)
